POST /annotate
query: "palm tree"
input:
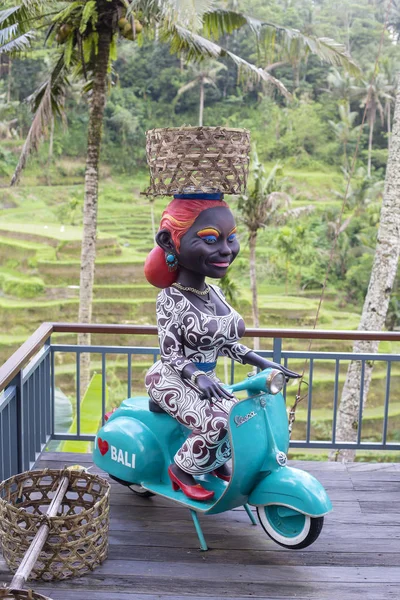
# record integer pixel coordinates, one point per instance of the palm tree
(204, 74)
(345, 130)
(340, 86)
(390, 73)
(87, 32)
(371, 96)
(258, 208)
(376, 301)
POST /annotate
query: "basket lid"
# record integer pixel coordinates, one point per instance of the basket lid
(193, 160)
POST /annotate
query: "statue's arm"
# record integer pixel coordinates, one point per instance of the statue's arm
(236, 351)
(246, 356)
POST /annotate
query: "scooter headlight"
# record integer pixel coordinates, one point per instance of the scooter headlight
(276, 381)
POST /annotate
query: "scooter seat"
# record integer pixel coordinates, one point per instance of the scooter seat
(154, 407)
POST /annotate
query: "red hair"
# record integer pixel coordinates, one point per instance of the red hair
(177, 218)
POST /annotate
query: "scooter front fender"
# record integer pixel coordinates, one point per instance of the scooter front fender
(293, 488)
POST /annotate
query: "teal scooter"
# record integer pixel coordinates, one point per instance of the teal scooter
(136, 445)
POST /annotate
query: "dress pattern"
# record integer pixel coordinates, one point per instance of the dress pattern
(187, 335)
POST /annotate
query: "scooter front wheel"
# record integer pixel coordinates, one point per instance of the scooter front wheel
(289, 528)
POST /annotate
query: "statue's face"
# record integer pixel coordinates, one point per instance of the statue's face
(211, 244)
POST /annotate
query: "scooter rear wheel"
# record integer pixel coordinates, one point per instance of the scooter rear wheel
(140, 491)
(136, 489)
(289, 528)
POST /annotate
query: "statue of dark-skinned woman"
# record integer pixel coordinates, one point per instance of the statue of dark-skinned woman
(196, 239)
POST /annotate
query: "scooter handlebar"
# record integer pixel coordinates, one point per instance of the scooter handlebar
(270, 381)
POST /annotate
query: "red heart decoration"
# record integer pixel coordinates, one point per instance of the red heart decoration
(102, 446)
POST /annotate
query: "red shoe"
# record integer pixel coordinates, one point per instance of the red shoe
(196, 492)
(223, 477)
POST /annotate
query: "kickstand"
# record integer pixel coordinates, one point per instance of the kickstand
(249, 512)
(200, 535)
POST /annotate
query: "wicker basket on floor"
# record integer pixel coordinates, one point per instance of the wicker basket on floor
(78, 538)
(197, 159)
(6, 594)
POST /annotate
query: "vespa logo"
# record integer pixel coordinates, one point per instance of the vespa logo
(239, 420)
(281, 459)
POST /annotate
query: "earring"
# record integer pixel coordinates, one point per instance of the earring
(172, 261)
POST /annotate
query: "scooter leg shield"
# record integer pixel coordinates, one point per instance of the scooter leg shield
(293, 488)
(127, 449)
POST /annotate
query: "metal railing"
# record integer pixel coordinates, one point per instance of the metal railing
(26, 415)
(27, 391)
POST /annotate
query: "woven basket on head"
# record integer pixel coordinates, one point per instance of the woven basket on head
(6, 594)
(78, 538)
(197, 159)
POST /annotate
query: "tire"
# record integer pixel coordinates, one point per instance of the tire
(140, 491)
(136, 489)
(294, 531)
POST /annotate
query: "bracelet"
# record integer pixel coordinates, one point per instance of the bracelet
(195, 375)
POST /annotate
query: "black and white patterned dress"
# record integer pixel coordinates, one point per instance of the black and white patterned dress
(187, 335)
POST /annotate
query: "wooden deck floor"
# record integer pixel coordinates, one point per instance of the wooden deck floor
(154, 549)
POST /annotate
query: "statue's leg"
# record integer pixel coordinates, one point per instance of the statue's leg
(207, 448)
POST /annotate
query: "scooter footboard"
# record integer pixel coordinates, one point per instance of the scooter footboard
(293, 488)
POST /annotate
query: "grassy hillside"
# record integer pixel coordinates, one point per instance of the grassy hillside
(40, 234)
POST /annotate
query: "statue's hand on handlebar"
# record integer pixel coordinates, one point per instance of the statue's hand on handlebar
(254, 359)
(288, 373)
(268, 364)
(211, 389)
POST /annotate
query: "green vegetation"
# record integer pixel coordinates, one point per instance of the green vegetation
(21, 287)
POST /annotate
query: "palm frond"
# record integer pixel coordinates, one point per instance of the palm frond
(15, 35)
(69, 10)
(187, 13)
(197, 47)
(221, 22)
(46, 101)
(19, 43)
(270, 180)
(209, 81)
(188, 86)
(7, 33)
(292, 42)
(21, 14)
(149, 9)
(216, 69)
(89, 13)
(7, 13)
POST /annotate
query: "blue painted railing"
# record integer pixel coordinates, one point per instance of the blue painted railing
(27, 387)
(26, 415)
